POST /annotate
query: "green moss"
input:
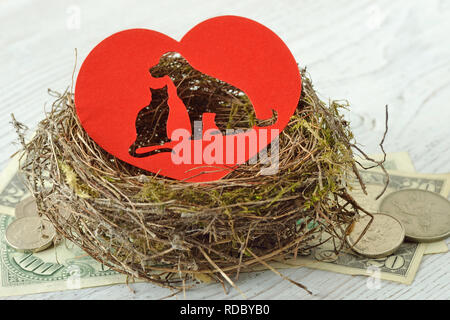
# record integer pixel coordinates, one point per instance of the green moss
(72, 180)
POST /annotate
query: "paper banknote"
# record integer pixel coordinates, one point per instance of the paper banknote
(62, 267)
(404, 263)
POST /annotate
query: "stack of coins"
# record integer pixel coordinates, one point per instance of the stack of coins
(29, 232)
(425, 215)
(412, 214)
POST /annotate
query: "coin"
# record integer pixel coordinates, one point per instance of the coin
(425, 214)
(30, 234)
(381, 239)
(26, 208)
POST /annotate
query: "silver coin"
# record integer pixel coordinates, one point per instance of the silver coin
(26, 208)
(425, 214)
(30, 234)
(381, 239)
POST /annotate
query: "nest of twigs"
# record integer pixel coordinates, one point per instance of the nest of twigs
(170, 232)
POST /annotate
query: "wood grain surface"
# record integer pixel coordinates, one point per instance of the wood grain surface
(371, 53)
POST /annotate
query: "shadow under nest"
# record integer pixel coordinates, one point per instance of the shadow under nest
(170, 232)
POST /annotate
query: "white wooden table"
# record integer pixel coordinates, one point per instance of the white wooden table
(369, 52)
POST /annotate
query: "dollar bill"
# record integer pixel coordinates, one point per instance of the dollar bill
(63, 267)
(404, 263)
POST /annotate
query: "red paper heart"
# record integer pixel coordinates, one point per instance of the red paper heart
(114, 84)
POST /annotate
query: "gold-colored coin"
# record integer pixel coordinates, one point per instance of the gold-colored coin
(425, 214)
(381, 239)
(26, 208)
(30, 234)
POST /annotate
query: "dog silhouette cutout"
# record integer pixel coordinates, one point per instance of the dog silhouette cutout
(205, 98)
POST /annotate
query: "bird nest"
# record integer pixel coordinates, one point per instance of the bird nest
(171, 232)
